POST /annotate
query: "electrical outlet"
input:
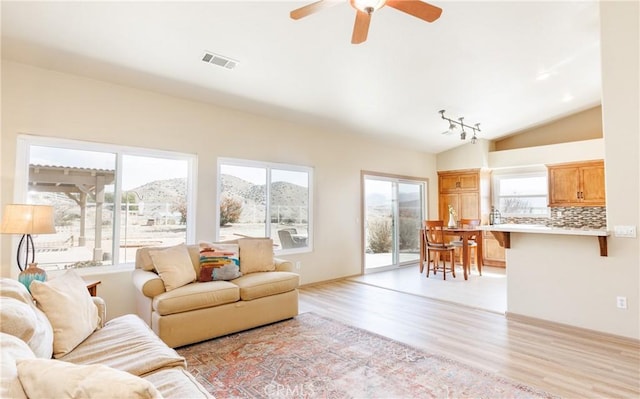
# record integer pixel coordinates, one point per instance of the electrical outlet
(621, 302)
(298, 265)
(625, 231)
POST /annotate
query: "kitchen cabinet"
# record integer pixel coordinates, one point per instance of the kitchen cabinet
(577, 184)
(492, 253)
(458, 181)
(467, 191)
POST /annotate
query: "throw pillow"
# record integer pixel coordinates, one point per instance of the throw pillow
(219, 262)
(28, 323)
(226, 272)
(174, 266)
(70, 310)
(14, 289)
(12, 349)
(47, 378)
(17, 318)
(256, 255)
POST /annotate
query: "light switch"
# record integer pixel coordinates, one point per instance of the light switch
(625, 231)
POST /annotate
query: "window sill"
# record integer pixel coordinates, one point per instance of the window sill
(96, 270)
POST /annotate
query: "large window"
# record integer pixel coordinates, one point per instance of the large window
(521, 193)
(258, 199)
(108, 200)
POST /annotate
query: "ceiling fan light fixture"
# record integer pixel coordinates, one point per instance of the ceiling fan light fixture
(367, 6)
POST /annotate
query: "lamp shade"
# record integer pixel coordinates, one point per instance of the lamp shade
(28, 219)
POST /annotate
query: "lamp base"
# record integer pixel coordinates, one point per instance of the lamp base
(33, 272)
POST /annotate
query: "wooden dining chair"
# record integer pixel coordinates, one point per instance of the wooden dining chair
(472, 243)
(435, 245)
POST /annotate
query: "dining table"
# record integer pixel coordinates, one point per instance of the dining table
(466, 234)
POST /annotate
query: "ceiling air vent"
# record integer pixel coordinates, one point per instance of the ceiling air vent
(219, 60)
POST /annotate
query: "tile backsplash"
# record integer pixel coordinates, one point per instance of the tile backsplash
(593, 217)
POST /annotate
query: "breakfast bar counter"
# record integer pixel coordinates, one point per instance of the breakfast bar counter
(502, 233)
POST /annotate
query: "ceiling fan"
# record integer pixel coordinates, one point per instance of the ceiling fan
(364, 9)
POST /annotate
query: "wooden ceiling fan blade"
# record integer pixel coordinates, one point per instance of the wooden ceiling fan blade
(417, 8)
(313, 8)
(361, 27)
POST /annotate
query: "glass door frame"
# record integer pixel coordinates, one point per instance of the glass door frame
(396, 180)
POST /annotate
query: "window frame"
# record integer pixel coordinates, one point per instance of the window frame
(530, 172)
(21, 188)
(269, 166)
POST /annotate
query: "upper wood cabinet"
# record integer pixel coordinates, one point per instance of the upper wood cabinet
(458, 181)
(467, 191)
(577, 184)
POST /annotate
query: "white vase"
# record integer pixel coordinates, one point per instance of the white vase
(452, 221)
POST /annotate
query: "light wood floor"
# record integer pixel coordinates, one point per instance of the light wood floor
(565, 363)
(488, 292)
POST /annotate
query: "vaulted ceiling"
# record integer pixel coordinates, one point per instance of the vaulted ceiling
(507, 65)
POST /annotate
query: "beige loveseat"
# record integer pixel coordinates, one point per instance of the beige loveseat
(196, 311)
(119, 358)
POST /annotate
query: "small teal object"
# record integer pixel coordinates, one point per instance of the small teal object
(33, 272)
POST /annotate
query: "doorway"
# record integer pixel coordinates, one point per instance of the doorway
(393, 208)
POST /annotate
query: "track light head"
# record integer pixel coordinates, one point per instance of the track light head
(453, 124)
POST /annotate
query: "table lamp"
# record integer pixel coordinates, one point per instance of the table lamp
(27, 220)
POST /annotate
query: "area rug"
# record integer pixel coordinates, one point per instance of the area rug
(314, 357)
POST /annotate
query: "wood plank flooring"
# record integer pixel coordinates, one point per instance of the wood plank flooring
(558, 361)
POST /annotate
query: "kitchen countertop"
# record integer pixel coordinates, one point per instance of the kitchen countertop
(541, 229)
(502, 233)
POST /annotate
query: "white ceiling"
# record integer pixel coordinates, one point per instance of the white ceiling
(481, 60)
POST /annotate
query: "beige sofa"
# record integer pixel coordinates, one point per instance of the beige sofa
(265, 293)
(120, 358)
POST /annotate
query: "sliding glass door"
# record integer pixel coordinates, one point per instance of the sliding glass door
(393, 209)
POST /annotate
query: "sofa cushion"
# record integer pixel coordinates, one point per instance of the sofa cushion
(28, 323)
(47, 378)
(69, 308)
(12, 349)
(196, 296)
(258, 285)
(128, 344)
(256, 255)
(174, 266)
(177, 383)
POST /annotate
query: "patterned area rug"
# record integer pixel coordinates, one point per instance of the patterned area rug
(314, 357)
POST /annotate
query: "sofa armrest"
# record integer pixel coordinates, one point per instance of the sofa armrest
(102, 310)
(283, 265)
(148, 283)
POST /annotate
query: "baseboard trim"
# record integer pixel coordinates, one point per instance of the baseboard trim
(333, 280)
(585, 332)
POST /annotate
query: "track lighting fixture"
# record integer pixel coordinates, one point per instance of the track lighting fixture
(453, 125)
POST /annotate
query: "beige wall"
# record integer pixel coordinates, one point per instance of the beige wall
(547, 154)
(563, 278)
(466, 156)
(585, 125)
(46, 103)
